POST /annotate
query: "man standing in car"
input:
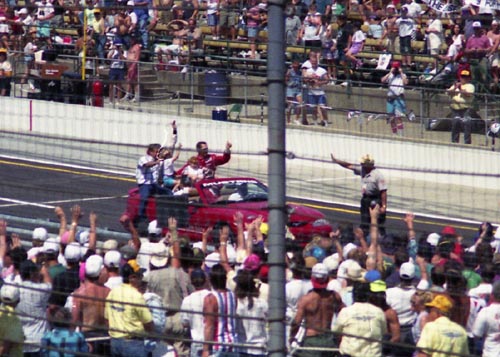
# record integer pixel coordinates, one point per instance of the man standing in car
(373, 189)
(209, 162)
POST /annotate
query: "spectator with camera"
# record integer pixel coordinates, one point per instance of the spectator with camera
(396, 104)
(462, 95)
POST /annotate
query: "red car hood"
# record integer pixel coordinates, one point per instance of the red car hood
(296, 212)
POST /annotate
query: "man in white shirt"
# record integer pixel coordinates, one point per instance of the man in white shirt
(406, 26)
(487, 324)
(317, 77)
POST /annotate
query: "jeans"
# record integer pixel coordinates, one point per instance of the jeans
(365, 214)
(121, 347)
(461, 121)
(146, 191)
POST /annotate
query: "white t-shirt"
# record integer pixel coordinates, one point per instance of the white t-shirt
(359, 36)
(251, 326)
(488, 324)
(406, 26)
(435, 38)
(319, 72)
(191, 314)
(399, 299)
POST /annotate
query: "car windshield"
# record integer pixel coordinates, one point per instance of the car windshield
(240, 190)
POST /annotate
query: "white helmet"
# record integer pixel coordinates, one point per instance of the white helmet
(494, 129)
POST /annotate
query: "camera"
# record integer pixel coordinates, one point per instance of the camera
(373, 203)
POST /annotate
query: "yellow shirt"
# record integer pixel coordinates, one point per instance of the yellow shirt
(363, 320)
(126, 312)
(460, 101)
(445, 336)
(11, 330)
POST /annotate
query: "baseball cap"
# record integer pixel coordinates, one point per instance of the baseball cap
(159, 255)
(464, 73)
(354, 271)
(153, 228)
(390, 6)
(110, 244)
(65, 238)
(3, 50)
(117, 42)
(372, 275)
(494, 22)
(348, 248)
(378, 286)
(97, 11)
(396, 64)
(23, 11)
(83, 237)
(73, 252)
(252, 262)
(51, 245)
(212, 259)
(433, 239)
(264, 228)
(93, 266)
(319, 276)
(407, 271)
(332, 262)
(128, 252)
(40, 233)
(476, 24)
(368, 159)
(9, 294)
(449, 230)
(130, 3)
(198, 277)
(112, 259)
(441, 302)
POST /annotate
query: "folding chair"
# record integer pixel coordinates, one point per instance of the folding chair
(235, 109)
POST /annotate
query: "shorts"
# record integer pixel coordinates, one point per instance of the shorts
(329, 54)
(228, 18)
(340, 55)
(252, 32)
(116, 74)
(396, 106)
(212, 20)
(494, 60)
(293, 93)
(316, 99)
(356, 48)
(405, 45)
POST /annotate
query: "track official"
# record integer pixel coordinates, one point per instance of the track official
(373, 189)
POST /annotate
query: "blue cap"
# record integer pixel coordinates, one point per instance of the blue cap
(117, 41)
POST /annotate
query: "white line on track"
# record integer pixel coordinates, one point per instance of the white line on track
(45, 204)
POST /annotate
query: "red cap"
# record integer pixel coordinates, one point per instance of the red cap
(396, 64)
(319, 283)
(449, 230)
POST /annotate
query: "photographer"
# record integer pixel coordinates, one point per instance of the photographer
(462, 95)
(396, 105)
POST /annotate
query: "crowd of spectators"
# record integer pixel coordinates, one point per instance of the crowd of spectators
(373, 294)
(457, 34)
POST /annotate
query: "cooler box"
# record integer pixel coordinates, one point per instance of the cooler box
(220, 115)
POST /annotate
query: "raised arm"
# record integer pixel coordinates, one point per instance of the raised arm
(372, 262)
(240, 235)
(93, 231)
(3, 240)
(344, 164)
(76, 214)
(174, 240)
(223, 238)
(62, 220)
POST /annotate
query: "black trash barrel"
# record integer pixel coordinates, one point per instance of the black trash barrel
(216, 89)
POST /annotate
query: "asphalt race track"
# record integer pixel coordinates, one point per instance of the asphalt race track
(32, 190)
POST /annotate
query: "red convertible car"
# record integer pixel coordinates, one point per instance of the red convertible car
(216, 200)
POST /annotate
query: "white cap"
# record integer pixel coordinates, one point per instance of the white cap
(212, 259)
(354, 271)
(433, 239)
(93, 266)
(476, 24)
(347, 249)
(130, 3)
(112, 259)
(23, 11)
(159, 255)
(407, 270)
(9, 294)
(51, 245)
(497, 233)
(73, 252)
(153, 228)
(83, 237)
(319, 271)
(332, 262)
(110, 244)
(40, 233)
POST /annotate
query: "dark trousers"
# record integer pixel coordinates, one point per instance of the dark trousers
(461, 121)
(365, 214)
(146, 191)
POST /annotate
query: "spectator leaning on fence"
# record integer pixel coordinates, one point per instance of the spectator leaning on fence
(462, 96)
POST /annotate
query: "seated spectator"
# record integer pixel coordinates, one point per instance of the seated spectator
(357, 43)
(5, 73)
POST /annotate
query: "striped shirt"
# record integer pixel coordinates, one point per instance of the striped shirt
(225, 329)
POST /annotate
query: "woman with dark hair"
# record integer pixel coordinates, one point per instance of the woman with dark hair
(251, 314)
